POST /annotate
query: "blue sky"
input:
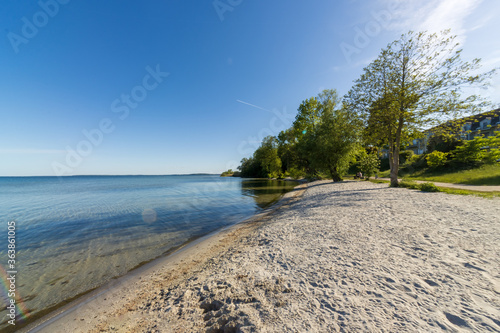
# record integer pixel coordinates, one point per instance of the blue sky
(129, 87)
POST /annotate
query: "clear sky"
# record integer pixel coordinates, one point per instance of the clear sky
(188, 86)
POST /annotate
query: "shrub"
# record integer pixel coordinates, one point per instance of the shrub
(469, 153)
(428, 187)
(405, 155)
(411, 184)
(436, 159)
(478, 151)
(492, 154)
(295, 173)
(444, 142)
(369, 165)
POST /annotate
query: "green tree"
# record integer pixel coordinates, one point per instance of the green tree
(335, 138)
(481, 150)
(267, 156)
(302, 132)
(414, 83)
(251, 168)
(369, 164)
(291, 161)
(443, 142)
(493, 150)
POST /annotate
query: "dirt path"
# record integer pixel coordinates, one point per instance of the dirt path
(480, 188)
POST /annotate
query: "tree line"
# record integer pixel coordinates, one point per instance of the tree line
(415, 82)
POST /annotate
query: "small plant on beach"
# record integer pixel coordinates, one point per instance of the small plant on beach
(428, 187)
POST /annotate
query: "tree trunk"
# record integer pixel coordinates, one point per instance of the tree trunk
(395, 154)
(335, 175)
(395, 166)
(394, 181)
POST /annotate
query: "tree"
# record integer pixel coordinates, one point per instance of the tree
(478, 151)
(267, 156)
(302, 132)
(251, 168)
(444, 142)
(265, 161)
(416, 82)
(291, 162)
(369, 164)
(335, 138)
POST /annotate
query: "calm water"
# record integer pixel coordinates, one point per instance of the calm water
(75, 233)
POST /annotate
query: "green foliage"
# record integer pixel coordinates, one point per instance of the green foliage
(294, 144)
(267, 156)
(405, 156)
(428, 187)
(411, 184)
(265, 162)
(227, 173)
(322, 139)
(444, 142)
(308, 116)
(251, 168)
(492, 154)
(415, 82)
(480, 150)
(295, 173)
(469, 152)
(487, 195)
(287, 151)
(436, 159)
(484, 175)
(425, 187)
(332, 145)
(369, 164)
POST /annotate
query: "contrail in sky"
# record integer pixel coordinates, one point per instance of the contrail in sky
(255, 106)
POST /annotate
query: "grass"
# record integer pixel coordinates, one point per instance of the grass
(488, 195)
(379, 181)
(485, 175)
(413, 185)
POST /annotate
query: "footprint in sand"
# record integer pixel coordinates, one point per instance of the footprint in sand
(431, 283)
(456, 320)
(474, 267)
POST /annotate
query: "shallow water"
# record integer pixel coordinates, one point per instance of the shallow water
(75, 233)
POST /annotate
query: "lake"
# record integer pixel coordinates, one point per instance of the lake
(73, 234)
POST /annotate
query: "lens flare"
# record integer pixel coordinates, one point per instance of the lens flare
(149, 215)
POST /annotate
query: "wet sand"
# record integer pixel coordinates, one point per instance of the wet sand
(349, 256)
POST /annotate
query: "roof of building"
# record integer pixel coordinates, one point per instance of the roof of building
(474, 120)
(477, 119)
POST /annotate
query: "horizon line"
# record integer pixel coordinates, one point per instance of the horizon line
(122, 175)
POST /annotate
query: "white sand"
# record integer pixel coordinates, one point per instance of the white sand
(351, 256)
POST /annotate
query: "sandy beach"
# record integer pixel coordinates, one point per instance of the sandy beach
(339, 257)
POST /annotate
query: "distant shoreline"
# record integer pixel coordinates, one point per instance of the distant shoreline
(138, 175)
